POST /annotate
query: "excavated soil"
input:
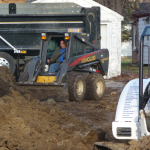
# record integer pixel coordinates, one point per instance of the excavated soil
(13, 1)
(125, 77)
(28, 124)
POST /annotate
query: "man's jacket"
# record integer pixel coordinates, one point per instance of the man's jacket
(56, 55)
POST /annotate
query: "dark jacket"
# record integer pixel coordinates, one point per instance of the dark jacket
(56, 55)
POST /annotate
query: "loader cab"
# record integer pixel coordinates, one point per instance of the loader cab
(53, 39)
(74, 43)
(50, 42)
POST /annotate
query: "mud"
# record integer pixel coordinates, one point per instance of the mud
(13, 1)
(27, 123)
(125, 77)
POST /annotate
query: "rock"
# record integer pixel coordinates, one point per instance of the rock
(66, 101)
(52, 112)
(113, 93)
(3, 142)
(3, 148)
(2, 102)
(51, 102)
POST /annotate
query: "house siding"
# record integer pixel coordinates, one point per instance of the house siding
(126, 49)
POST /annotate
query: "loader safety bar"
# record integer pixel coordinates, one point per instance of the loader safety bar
(5, 41)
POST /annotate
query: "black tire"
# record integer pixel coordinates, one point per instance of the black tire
(75, 80)
(10, 60)
(95, 87)
(26, 63)
(24, 77)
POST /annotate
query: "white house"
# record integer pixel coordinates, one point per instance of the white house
(140, 18)
(110, 32)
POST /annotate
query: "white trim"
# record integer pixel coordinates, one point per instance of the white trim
(108, 31)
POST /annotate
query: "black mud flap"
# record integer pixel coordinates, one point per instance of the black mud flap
(44, 91)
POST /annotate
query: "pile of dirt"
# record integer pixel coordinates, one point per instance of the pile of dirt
(142, 144)
(26, 123)
(125, 77)
(7, 80)
(13, 1)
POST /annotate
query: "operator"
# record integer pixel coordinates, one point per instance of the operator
(57, 57)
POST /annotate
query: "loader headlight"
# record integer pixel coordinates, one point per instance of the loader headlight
(76, 30)
(23, 52)
(43, 36)
(66, 36)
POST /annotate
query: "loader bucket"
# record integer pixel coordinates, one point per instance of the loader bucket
(44, 91)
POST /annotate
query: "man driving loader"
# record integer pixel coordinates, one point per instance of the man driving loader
(57, 57)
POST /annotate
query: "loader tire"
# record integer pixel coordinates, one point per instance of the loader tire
(24, 77)
(8, 61)
(76, 87)
(95, 87)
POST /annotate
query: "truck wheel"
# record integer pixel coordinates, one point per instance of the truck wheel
(95, 86)
(8, 61)
(76, 87)
(24, 77)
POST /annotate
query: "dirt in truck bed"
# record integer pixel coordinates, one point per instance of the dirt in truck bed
(27, 123)
(13, 1)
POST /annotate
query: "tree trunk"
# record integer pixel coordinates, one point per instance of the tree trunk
(106, 3)
(119, 9)
(114, 5)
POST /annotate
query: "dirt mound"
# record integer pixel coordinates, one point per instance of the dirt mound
(125, 77)
(26, 123)
(13, 1)
(7, 80)
(142, 144)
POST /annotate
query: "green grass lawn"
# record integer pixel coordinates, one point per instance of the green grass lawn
(126, 61)
(126, 67)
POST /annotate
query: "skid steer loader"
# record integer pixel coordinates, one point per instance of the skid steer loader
(80, 74)
(132, 119)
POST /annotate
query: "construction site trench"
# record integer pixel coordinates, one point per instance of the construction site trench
(29, 124)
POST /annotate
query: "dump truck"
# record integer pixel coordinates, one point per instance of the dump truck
(132, 120)
(21, 26)
(81, 72)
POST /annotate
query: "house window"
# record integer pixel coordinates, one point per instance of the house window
(134, 37)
